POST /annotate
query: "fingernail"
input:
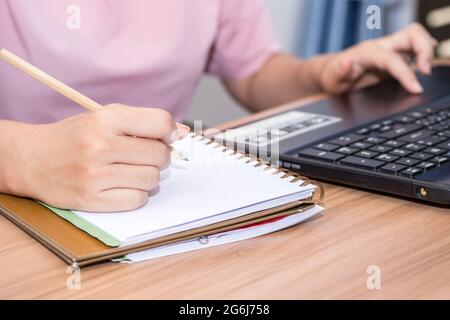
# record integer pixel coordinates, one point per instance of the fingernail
(182, 131)
(180, 125)
(416, 86)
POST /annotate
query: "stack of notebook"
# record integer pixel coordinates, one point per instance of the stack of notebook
(218, 196)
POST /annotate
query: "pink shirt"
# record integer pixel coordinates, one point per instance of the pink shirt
(148, 53)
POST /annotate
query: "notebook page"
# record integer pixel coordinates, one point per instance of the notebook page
(217, 218)
(220, 238)
(211, 183)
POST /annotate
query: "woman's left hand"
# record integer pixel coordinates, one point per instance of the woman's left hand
(374, 59)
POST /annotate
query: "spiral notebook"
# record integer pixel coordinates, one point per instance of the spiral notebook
(217, 191)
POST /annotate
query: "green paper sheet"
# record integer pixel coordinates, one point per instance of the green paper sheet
(86, 226)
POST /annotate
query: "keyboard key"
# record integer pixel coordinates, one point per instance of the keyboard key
(376, 126)
(361, 145)
(401, 152)
(435, 150)
(418, 135)
(388, 122)
(387, 158)
(430, 110)
(440, 160)
(321, 155)
(443, 114)
(362, 163)
(326, 147)
(424, 122)
(385, 129)
(426, 165)
(408, 162)
(366, 154)
(414, 147)
(404, 119)
(399, 131)
(381, 149)
(445, 145)
(438, 127)
(445, 133)
(347, 139)
(433, 119)
(416, 114)
(431, 141)
(375, 140)
(347, 150)
(363, 131)
(392, 168)
(394, 143)
(440, 118)
(421, 156)
(411, 172)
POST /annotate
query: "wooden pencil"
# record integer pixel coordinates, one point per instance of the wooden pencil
(58, 86)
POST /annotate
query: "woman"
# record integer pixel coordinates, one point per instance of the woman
(145, 53)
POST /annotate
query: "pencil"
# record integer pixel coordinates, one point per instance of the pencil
(60, 87)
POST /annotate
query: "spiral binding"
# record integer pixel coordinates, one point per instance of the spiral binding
(316, 198)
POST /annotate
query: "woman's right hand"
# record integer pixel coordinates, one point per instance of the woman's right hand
(102, 161)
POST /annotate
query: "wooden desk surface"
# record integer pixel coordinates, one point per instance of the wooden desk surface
(325, 258)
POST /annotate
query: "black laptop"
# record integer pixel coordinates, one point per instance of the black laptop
(380, 138)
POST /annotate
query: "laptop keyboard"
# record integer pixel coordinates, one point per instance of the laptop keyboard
(407, 145)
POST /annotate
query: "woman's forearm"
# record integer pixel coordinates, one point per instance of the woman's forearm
(282, 79)
(11, 142)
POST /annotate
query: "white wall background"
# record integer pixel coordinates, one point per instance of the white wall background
(211, 103)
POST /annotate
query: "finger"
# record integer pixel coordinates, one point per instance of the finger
(344, 69)
(336, 77)
(346, 76)
(145, 178)
(117, 200)
(399, 69)
(143, 122)
(398, 40)
(139, 151)
(417, 40)
(434, 41)
(423, 48)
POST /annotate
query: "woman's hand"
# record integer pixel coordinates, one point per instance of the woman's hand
(374, 59)
(106, 160)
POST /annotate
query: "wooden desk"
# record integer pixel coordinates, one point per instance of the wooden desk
(324, 258)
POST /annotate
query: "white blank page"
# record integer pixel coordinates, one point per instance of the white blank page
(210, 184)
